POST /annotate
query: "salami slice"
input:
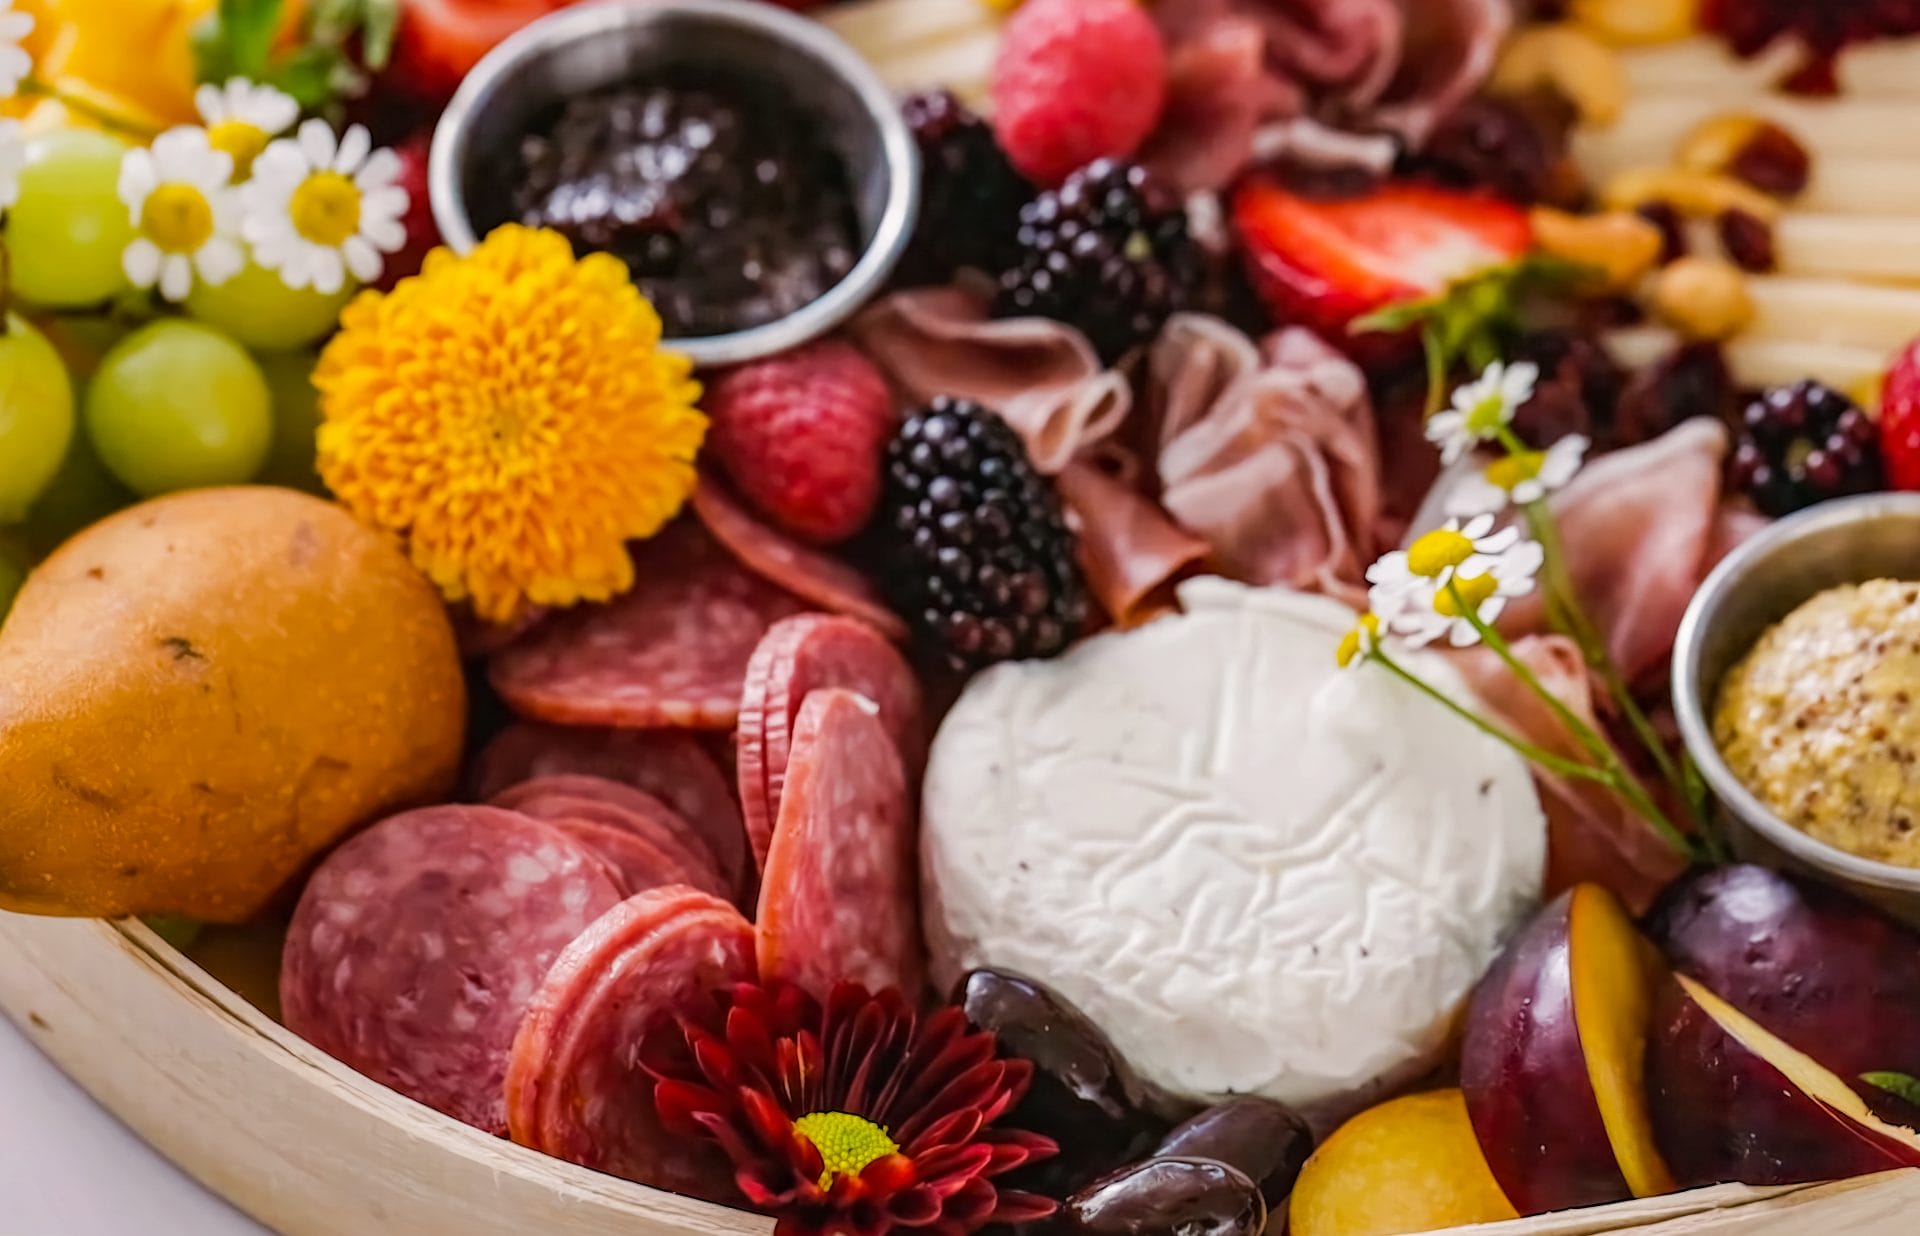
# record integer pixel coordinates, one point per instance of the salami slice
(837, 900)
(670, 653)
(800, 655)
(678, 855)
(816, 577)
(574, 1088)
(638, 863)
(671, 765)
(418, 944)
(478, 639)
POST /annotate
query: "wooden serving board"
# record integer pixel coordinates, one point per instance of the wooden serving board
(311, 1148)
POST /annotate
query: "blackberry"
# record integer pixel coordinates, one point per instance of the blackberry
(1108, 252)
(984, 562)
(970, 195)
(1803, 444)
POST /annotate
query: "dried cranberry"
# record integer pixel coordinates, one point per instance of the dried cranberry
(1512, 147)
(1692, 380)
(1748, 240)
(1673, 233)
(1578, 386)
(1773, 161)
(1823, 27)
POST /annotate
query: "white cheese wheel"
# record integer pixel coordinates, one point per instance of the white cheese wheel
(1258, 873)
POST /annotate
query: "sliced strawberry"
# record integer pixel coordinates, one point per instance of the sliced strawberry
(1900, 420)
(439, 41)
(1325, 263)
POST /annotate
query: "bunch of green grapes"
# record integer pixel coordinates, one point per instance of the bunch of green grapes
(96, 413)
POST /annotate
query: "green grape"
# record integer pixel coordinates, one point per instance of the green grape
(83, 492)
(36, 417)
(83, 340)
(259, 310)
(13, 573)
(296, 415)
(178, 406)
(67, 232)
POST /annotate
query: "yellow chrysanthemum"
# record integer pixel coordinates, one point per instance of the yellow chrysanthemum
(513, 415)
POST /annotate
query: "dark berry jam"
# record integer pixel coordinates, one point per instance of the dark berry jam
(729, 214)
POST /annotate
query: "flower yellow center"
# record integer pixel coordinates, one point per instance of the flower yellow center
(326, 209)
(1485, 418)
(847, 1143)
(178, 218)
(1431, 555)
(1510, 473)
(1360, 640)
(243, 143)
(1464, 597)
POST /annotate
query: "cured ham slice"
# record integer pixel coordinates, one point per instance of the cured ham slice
(1268, 454)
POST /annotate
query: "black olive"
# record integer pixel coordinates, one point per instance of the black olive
(1169, 1197)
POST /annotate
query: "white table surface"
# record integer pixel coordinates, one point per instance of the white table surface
(68, 1168)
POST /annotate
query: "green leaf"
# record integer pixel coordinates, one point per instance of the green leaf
(248, 27)
(308, 74)
(1899, 1085)
(377, 28)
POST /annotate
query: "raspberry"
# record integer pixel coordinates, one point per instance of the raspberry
(1900, 420)
(802, 434)
(422, 233)
(1077, 80)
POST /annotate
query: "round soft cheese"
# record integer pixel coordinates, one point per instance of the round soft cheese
(1257, 872)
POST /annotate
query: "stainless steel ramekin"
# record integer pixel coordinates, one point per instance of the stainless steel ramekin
(589, 46)
(1848, 541)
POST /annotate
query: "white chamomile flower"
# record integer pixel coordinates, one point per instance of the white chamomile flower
(1483, 595)
(13, 158)
(15, 63)
(1412, 588)
(1359, 643)
(185, 212)
(1482, 408)
(1521, 478)
(242, 117)
(319, 209)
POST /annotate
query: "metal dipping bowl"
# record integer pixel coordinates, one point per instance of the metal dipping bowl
(585, 48)
(1848, 541)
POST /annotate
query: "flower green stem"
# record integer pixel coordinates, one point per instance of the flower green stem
(1596, 745)
(1436, 371)
(1555, 764)
(1620, 778)
(1563, 598)
(93, 111)
(1567, 615)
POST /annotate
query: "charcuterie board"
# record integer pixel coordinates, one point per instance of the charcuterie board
(944, 706)
(310, 1148)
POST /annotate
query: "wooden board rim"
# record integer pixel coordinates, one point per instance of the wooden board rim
(311, 1148)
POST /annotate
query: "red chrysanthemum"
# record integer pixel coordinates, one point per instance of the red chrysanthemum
(853, 1117)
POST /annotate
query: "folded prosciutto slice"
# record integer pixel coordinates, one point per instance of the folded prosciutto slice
(1268, 454)
(1258, 461)
(1345, 82)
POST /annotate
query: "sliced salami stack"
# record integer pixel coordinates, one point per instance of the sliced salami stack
(502, 962)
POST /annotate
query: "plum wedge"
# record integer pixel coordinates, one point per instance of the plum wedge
(1552, 1064)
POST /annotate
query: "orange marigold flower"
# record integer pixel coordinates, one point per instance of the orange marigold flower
(513, 415)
